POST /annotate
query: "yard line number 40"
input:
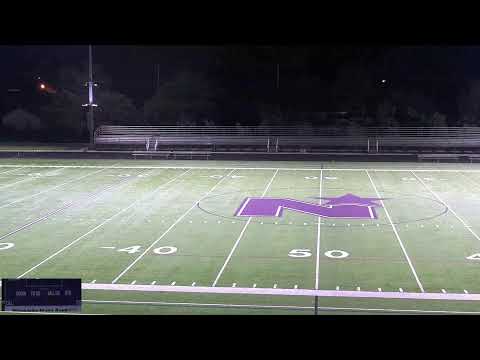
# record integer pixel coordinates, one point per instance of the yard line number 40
(163, 250)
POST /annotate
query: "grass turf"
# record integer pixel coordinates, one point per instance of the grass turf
(143, 207)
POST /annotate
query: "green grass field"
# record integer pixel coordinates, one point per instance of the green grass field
(161, 237)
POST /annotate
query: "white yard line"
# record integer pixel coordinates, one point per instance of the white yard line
(67, 206)
(245, 168)
(317, 265)
(10, 171)
(241, 235)
(284, 292)
(396, 234)
(170, 228)
(50, 189)
(102, 224)
(448, 207)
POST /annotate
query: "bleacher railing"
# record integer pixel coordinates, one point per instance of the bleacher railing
(370, 139)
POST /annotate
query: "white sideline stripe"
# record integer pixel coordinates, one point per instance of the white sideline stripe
(284, 292)
(245, 168)
(448, 207)
(241, 235)
(198, 304)
(102, 224)
(396, 234)
(171, 227)
(255, 306)
(317, 263)
(50, 189)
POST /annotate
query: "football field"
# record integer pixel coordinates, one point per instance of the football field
(239, 237)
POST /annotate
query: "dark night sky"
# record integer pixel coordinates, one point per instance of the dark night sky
(132, 68)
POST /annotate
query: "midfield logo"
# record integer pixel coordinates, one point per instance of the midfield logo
(348, 206)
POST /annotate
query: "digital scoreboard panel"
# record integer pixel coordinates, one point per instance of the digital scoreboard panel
(46, 295)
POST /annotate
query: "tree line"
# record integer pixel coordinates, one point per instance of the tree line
(263, 86)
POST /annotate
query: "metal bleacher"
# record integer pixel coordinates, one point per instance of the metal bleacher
(275, 139)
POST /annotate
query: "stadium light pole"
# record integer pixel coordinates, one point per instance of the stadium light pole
(90, 98)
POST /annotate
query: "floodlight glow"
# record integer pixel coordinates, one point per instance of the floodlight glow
(384, 81)
(42, 86)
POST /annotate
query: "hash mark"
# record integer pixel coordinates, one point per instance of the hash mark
(400, 289)
(254, 285)
(379, 289)
(153, 283)
(274, 286)
(465, 291)
(173, 283)
(107, 247)
(193, 284)
(133, 282)
(443, 291)
(93, 281)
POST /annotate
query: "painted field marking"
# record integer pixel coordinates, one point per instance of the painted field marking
(274, 286)
(397, 235)
(337, 288)
(295, 286)
(443, 291)
(465, 291)
(93, 281)
(12, 170)
(285, 292)
(24, 180)
(254, 285)
(107, 247)
(245, 168)
(400, 289)
(153, 283)
(133, 282)
(50, 189)
(234, 284)
(193, 284)
(103, 223)
(449, 208)
(358, 288)
(173, 283)
(241, 235)
(90, 197)
(380, 289)
(170, 228)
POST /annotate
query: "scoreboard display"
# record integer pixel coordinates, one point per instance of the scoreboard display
(50, 295)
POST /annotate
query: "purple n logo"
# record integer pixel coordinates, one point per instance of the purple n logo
(348, 206)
